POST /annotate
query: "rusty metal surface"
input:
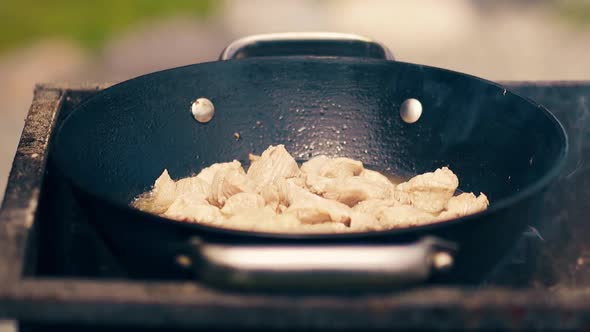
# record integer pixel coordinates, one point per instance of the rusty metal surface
(555, 294)
(24, 183)
(190, 305)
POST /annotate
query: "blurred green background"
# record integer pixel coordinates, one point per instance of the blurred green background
(89, 23)
(575, 12)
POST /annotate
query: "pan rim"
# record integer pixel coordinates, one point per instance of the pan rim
(502, 204)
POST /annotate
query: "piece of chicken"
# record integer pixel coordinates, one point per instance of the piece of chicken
(271, 197)
(354, 189)
(228, 182)
(402, 216)
(240, 202)
(363, 222)
(314, 165)
(332, 167)
(317, 184)
(310, 214)
(299, 181)
(286, 222)
(371, 206)
(319, 172)
(252, 219)
(401, 197)
(341, 167)
(194, 208)
(275, 162)
(281, 208)
(312, 209)
(431, 191)
(376, 177)
(327, 227)
(192, 185)
(276, 194)
(207, 174)
(160, 197)
(252, 157)
(464, 204)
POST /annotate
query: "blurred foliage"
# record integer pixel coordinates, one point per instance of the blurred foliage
(575, 12)
(88, 22)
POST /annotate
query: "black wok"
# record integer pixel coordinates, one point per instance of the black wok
(113, 146)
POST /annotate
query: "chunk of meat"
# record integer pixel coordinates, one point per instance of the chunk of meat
(311, 209)
(402, 216)
(464, 204)
(160, 197)
(253, 219)
(241, 202)
(252, 157)
(375, 215)
(299, 181)
(317, 184)
(228, 182)
(376, 177)
(314, 165)
(401, 197)
(371, 206)
(271, 197)
(351, 190)
(327, 227)
(275, 162)
(285, 223)
(430, 191)
(311, 172)
(332, 167)
(319, 172)
(281, 208)
(263, 219)
(192, 185)
(194, 208)
(309, 214)
(363, 222)
(341, 167)
(207, 174)
(276, 193)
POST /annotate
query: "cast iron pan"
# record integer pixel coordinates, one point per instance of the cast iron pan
(270, 90)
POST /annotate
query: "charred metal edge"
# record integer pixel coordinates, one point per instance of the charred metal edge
(19, 207)
(190, 305)
(65, 87)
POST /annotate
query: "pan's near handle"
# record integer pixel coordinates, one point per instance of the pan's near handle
(306, 43)
(319, 267)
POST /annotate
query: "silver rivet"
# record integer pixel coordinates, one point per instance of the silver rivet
(184, 261)
(203, 110)
(442, 260)
(410, 110)
(196, 241)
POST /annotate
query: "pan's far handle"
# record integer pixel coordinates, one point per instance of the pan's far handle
(319, 267)
(306, 43)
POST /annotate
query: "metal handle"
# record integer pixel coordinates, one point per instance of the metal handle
(306, 43)
(320, 267)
